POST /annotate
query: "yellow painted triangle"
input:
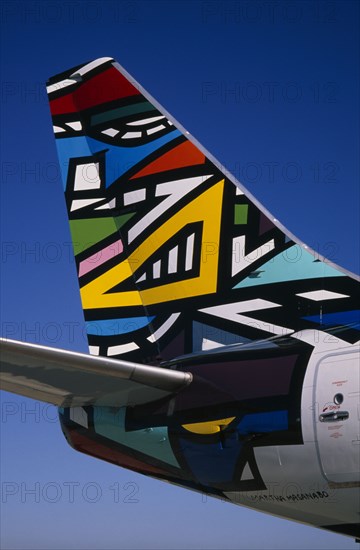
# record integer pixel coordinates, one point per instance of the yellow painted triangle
(207, 208)
(211, 427)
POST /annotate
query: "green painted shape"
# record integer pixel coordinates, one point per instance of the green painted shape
(121, 220)
(293, 264)
(241, 214)
(85, 233)
(151, 441)
(114, 114)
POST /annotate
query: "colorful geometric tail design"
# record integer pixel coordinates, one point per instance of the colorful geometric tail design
(173, 256)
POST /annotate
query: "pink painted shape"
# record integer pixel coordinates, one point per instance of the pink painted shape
(100, 257)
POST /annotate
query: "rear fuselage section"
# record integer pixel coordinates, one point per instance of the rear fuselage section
(272, 426)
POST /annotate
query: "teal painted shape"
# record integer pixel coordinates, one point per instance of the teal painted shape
(293, 264)
(151, 441)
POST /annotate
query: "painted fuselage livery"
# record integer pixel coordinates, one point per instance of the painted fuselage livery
(223, 353)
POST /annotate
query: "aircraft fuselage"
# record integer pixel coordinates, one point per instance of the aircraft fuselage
(272, 426)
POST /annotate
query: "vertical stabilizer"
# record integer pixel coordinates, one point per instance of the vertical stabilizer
(172, 255)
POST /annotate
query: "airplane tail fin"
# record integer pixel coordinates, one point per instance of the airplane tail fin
(173, 254)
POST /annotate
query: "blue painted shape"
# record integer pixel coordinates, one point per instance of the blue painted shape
(342, 318)
(111, 327)
(293, 264)
(211, 463)
(263, 422)
(154, 442)
(118, 159)
(73, 147)
(223, 337)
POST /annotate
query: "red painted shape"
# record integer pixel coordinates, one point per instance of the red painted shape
(62, 105)
(98, 450)
(185, 154)
(102, 88)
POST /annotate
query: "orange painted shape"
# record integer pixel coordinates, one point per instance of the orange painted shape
(185, 154)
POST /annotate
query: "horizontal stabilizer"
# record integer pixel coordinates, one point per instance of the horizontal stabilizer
(70, 379)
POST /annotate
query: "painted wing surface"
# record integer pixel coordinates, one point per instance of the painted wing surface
(173, 255)
(69, 379)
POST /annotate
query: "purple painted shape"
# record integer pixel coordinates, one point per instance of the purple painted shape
(175, 348)
(265, 224)
(100, 257)
(224, 382)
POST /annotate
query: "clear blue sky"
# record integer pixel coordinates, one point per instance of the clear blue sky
(271, 90)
